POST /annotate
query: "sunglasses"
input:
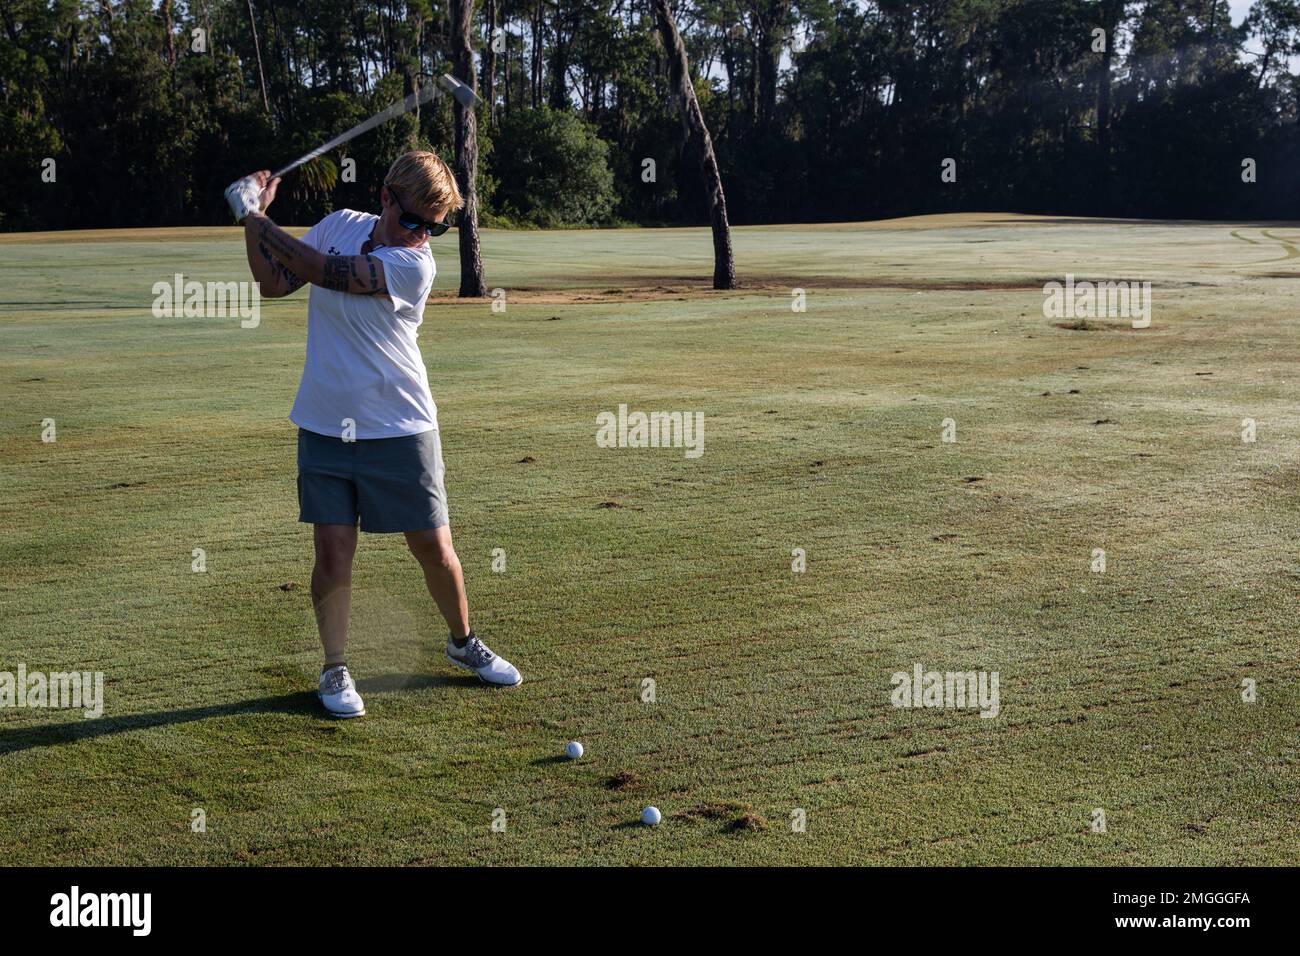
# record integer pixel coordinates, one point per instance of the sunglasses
(413, 222)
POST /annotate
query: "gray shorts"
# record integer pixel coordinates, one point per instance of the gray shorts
(390, 484)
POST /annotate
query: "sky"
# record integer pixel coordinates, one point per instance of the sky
(1239, 9)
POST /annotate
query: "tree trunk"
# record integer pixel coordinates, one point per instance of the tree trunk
(535, 75)
(409, 67)
(1264, 65)
(729, 64)
(490, 63)
(170, 26)
(558, 98)
(753, 84)
(1112, 12)
(257, 48)
(697, 136)
(471, 260)
(419, 46)
(770, 17)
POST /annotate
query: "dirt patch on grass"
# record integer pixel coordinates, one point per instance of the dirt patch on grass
(1089, 325)
(711, 811)
(738, 818)
(523, 295)
(623, 780)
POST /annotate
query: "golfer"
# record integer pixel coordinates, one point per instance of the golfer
(368, 448)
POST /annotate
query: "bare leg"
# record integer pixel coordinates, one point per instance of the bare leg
(442, 576)
(331, 586)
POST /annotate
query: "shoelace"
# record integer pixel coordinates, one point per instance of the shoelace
(476, 652)
(337, 680)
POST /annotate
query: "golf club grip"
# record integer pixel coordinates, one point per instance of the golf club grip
(397, 109)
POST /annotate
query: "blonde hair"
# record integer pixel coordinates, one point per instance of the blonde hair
(422, 179)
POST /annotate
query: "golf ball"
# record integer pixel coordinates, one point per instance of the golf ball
(573, 749)
(650, 816)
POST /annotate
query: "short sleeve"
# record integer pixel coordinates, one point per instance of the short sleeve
(317, 236)
(408, 275)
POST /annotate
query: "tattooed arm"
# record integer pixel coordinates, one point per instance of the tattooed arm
(274, 279)
(286, 263)
(282, 264)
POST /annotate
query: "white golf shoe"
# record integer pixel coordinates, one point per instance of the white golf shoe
(338, 692)
(490, 668)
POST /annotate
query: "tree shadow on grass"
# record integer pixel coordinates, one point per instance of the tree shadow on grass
(300, 704)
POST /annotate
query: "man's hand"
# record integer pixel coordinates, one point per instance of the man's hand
(245, 197)
(254, 193)
(266, 185)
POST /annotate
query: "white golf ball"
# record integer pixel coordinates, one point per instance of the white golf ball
(651, 816)
(573, 749)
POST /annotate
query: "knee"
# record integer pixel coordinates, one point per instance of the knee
(334, 553)
(432, 553)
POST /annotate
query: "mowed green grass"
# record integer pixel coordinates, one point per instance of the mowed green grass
(1119, 691)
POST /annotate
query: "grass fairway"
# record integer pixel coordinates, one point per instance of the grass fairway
(1119, 690)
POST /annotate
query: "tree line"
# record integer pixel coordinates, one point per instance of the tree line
(139, 112)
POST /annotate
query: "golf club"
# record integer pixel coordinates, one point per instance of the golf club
(462, 93)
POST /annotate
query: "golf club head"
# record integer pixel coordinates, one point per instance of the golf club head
(463, 95)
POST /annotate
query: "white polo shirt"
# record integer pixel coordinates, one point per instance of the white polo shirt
(363, 361)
